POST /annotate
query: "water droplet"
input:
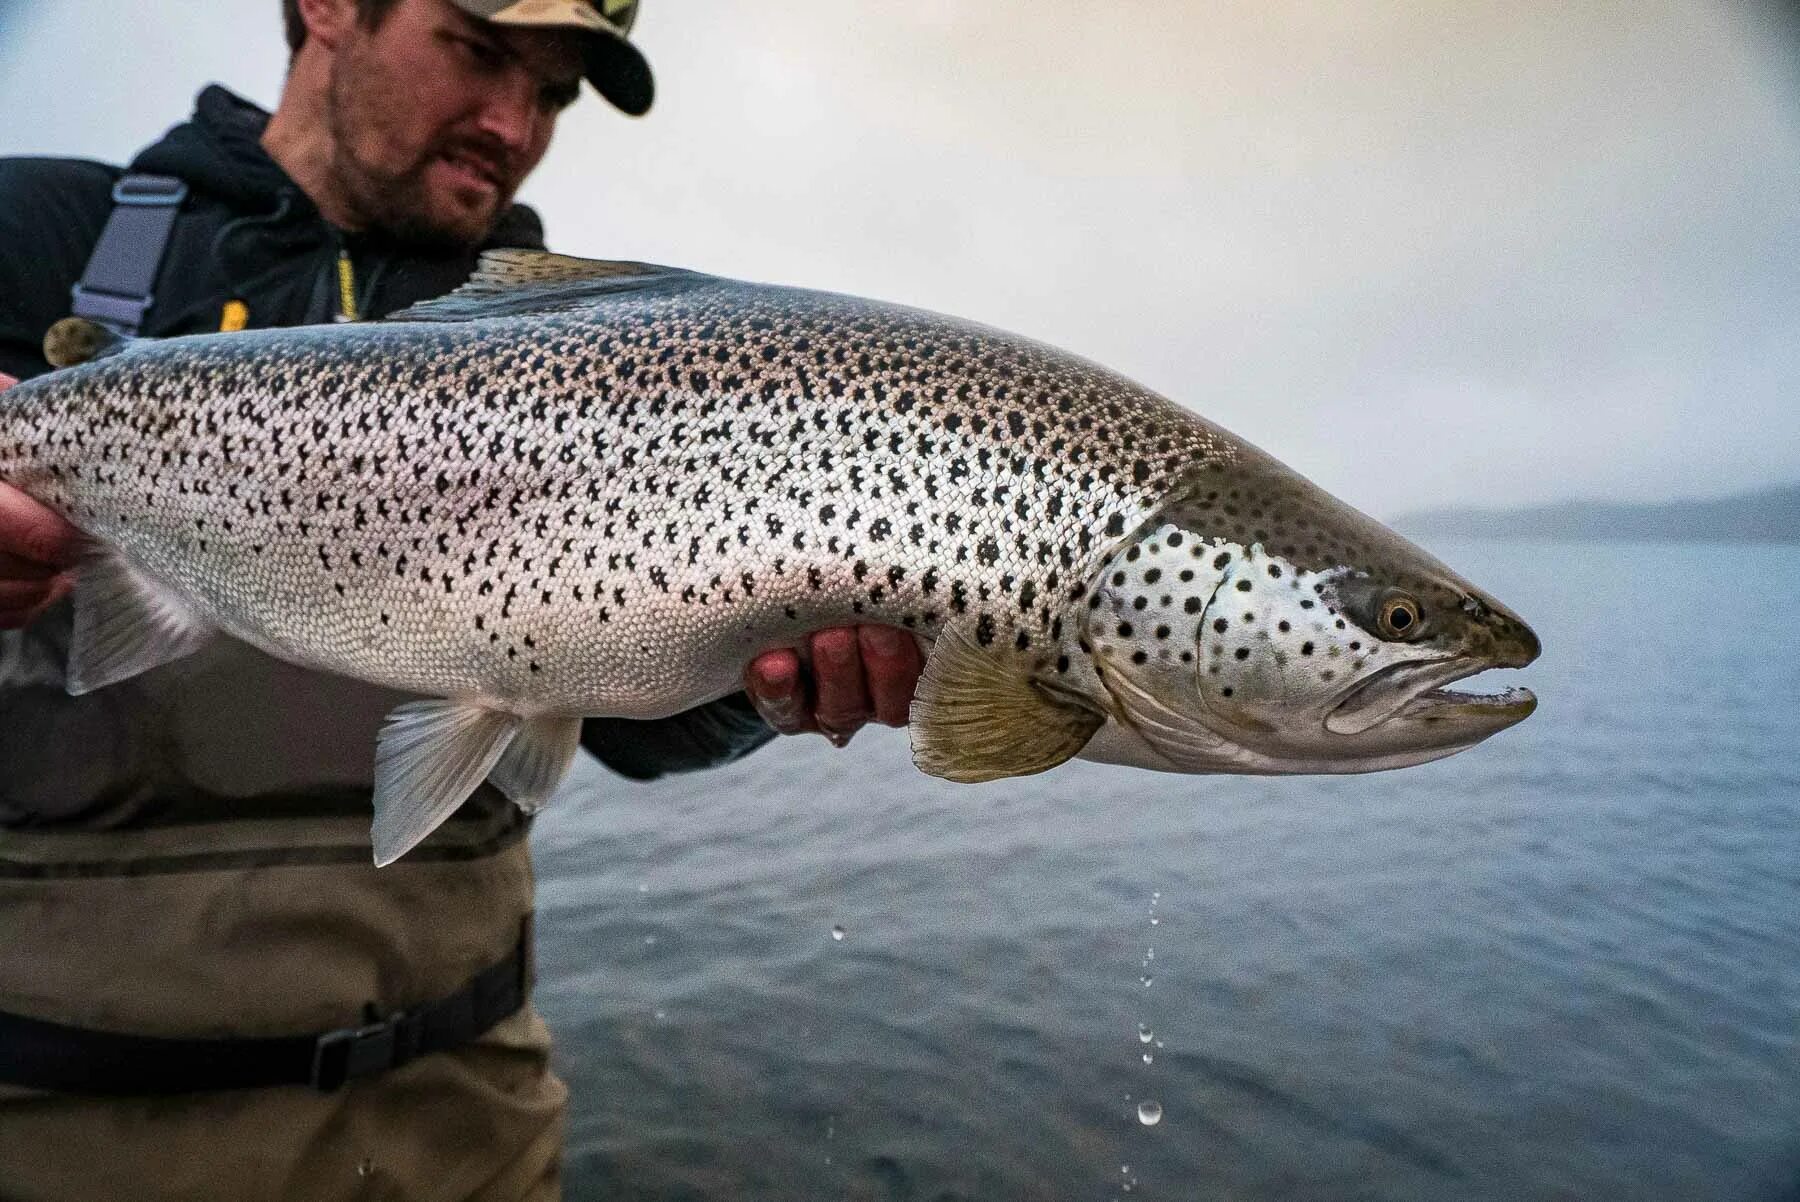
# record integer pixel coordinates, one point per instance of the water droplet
(1159, 1043)
(838, 933)
(1149, 1113)
(365, 1168)
(1156, 897)
(1156, 922)
(1145, 1034)
(1146, 979)
(1148, 1058)
(1126, 1169)
(661, 1014)
(643, 888)
(649, 940)
(1150, 953)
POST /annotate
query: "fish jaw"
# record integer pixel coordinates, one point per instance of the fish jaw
(1415, 690)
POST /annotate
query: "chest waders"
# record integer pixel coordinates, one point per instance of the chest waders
(221, 996)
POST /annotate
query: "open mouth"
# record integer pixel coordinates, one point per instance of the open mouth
(475, 169)
(1415, 691)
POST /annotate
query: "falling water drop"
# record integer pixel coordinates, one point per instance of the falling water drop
(1155, 922)
(1148, 1058)
(837, 933)
(1145, 1034)
(1149, 1113)
(1146, 979)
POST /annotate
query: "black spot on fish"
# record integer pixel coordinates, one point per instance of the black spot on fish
(1219, 624)
(1242, 653)
(1275, 571)
(1192, 605)
(1221, 559)
(1124, 630)
(1306, 648)
(1153, 575)
(1243, 586)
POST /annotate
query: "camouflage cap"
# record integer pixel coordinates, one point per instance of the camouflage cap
(615, 67)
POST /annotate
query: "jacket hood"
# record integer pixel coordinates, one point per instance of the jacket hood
(219, 150)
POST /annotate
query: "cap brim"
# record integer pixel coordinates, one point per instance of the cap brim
(616, 68)
(619, 72)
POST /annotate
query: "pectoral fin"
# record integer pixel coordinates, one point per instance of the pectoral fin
(537, 761)
(979, 715)
(429, 757)
(126, 623)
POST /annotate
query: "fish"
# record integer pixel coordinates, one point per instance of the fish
(575, 488)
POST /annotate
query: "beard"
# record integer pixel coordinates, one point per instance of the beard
(392, 192)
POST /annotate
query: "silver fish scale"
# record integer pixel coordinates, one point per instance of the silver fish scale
(608, 509)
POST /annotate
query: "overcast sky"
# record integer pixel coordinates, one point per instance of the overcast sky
(1426, 252)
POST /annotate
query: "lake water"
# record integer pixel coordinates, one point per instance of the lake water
(1565, 964)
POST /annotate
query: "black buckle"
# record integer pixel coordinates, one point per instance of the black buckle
(351, 1052)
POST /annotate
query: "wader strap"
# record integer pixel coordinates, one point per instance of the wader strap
(50, 1056)
(120, 281)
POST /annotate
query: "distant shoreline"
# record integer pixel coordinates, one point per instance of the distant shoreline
(1767, 516)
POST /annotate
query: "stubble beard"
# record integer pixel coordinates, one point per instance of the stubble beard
(396, 203)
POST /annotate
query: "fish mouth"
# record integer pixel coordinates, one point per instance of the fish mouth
(1415, 692)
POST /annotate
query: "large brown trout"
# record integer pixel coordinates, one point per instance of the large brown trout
(576, 488)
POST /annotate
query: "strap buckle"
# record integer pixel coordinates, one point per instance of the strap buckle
(120, 314)
(152, 190)
(351, 1052)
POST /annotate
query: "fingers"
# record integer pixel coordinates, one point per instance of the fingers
(23, 602)
(778, 690)
(29, 531)
(890, 661)
(857, 674)
(842, 704)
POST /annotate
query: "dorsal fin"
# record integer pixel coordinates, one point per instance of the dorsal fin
(510, 282)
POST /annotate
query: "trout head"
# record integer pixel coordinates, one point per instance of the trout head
(1255, 624)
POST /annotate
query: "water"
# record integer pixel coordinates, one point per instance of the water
(1563, 965)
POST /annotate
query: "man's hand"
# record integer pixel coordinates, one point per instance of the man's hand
(37, 554)
(859, 673)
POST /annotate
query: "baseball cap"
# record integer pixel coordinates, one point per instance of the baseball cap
(615, 67)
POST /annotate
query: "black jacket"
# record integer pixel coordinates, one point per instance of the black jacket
(248, 233)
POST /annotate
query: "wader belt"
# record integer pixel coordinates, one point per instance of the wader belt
(119, 284)
(50, 1056)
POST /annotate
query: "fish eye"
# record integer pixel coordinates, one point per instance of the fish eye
(1399, 616)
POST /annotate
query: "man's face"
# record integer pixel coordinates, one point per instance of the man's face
(437, 118)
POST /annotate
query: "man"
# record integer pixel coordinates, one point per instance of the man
(201, 968)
